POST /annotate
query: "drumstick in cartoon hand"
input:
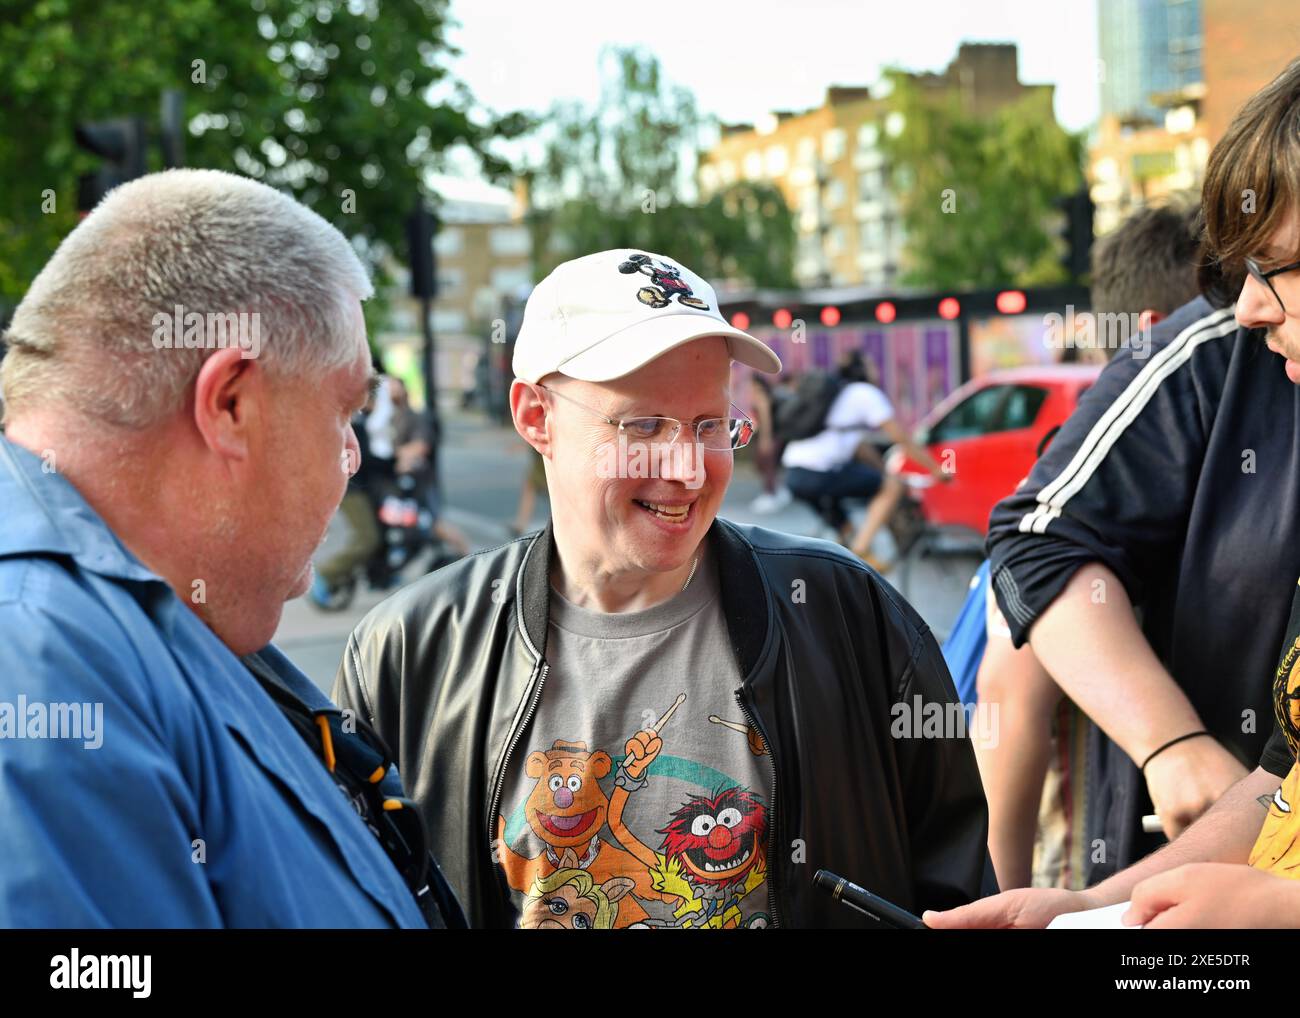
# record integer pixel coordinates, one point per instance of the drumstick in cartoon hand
(643, 747)
(755, 740)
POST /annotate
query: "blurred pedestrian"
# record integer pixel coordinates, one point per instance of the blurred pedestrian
(840, 462)
(534, 484)
(775, 496)
(415, 443)
(361, 538)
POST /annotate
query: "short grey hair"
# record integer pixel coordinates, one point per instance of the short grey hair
(210, 242)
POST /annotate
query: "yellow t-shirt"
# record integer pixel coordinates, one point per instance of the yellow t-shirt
(1277, 849)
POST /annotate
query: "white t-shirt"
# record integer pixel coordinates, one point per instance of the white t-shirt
(379, 424)
(857, 410)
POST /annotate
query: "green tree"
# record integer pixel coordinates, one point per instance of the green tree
(977, 192)
(621, 175)
(346, 104)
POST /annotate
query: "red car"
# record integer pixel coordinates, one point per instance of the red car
(987, 433)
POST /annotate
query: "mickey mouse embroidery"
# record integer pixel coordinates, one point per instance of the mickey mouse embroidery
(667, 283)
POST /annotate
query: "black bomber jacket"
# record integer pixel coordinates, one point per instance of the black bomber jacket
(450, 668)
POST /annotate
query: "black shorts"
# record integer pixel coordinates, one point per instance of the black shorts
(826, 490)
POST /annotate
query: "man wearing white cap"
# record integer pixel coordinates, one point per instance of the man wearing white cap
(644, 715)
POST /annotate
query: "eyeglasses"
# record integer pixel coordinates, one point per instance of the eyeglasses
(1264, 278)
(714, 434)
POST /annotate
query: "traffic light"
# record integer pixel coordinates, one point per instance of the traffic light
(123, 145)
(1076, 232)
(171, 128)
(421, 225)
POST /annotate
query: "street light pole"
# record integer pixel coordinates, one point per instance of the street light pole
(421, 227)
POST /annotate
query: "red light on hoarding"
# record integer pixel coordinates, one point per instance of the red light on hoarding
(886, 312)
(1011, 302)
(782, 318)
(830, 316)
(949, 308)
(740, 320)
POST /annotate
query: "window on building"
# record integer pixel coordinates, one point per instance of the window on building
(777, 160)
(835, 194)
(449, 281)
(509, 241)
(833, 145)
(447, 241)
(510, 278)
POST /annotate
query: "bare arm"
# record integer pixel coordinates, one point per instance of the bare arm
(1224, 834)
(919, 453)
(1089, 641)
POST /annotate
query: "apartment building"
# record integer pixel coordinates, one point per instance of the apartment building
(829, 165)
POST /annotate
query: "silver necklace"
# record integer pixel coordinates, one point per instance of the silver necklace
(691, 575)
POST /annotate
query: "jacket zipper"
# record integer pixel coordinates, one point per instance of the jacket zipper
(495, 805)
(752, 718)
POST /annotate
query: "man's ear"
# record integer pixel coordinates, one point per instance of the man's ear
(228, 396)
(531, 415)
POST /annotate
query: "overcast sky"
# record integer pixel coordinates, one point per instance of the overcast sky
(742, 60)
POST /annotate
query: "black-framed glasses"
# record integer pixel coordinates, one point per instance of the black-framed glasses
(1265, 278)
(713, 434)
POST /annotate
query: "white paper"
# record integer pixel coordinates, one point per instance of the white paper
(1105, 918)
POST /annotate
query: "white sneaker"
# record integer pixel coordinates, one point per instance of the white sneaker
(764, 504)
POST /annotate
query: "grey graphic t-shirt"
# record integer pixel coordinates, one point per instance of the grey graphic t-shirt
(638, 795)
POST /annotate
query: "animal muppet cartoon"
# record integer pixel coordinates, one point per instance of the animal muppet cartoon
(713, 855)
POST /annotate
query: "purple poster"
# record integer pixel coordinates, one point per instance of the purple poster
(940, 366)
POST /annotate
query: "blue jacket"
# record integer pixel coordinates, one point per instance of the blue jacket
(146, 778)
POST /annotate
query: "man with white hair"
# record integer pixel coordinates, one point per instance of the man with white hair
(179, 387)
(645, 715)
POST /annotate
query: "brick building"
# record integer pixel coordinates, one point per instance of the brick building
(829, 165)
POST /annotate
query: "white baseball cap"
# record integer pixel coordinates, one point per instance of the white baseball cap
(604, 315)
